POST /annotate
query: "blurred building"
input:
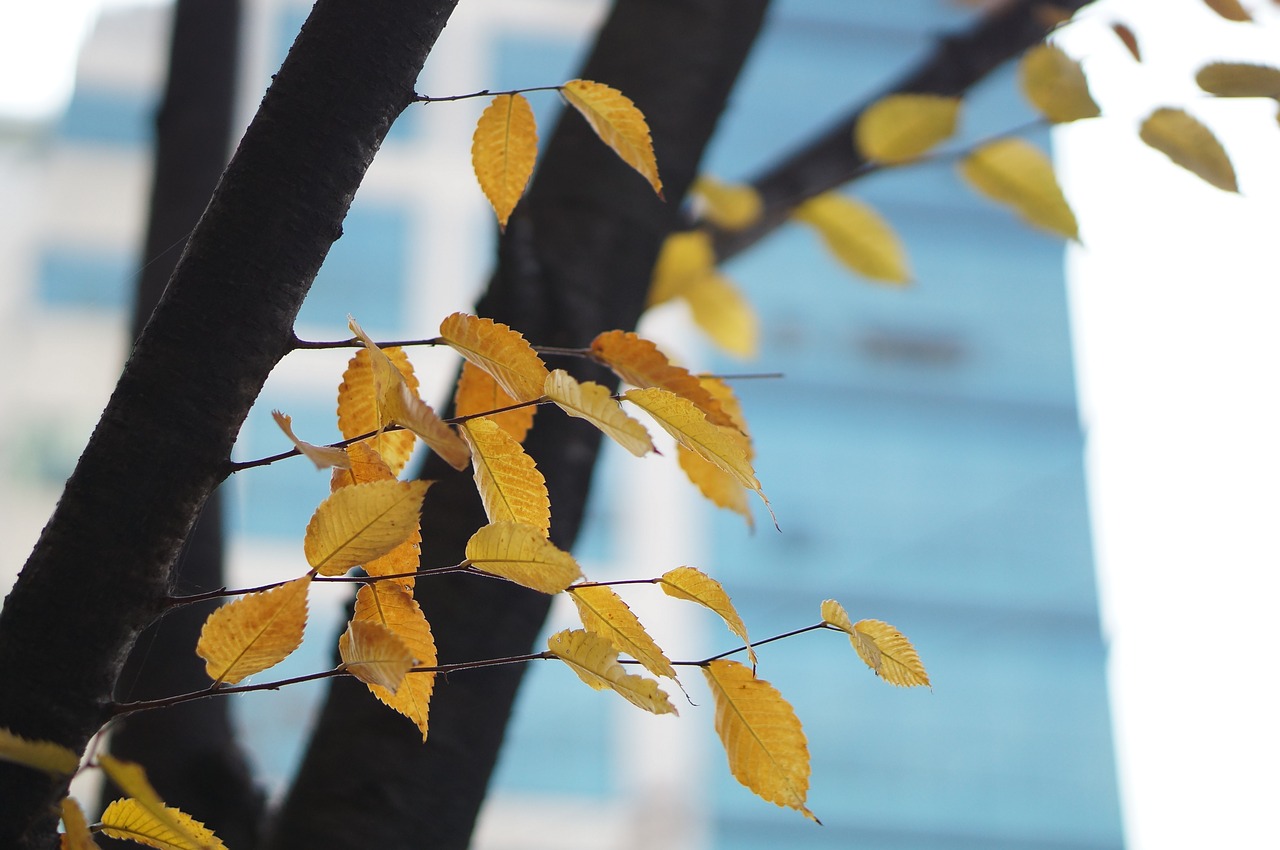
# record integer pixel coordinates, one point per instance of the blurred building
(923, 452)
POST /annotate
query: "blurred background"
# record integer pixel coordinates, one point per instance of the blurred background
(1053, 469)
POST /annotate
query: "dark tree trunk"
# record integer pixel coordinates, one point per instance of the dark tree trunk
(101, 570)
(576, 260)
(189, 750)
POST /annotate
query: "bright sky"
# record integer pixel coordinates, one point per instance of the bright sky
(1175, 308)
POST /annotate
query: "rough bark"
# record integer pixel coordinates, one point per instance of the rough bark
(576, 260)
(829, 159)
(189, 750)
(102, 566)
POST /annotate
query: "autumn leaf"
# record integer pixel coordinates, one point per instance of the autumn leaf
(393, 607)
(857, 236)
(511, 487)
(696, 586)
(618, 123)
(719, 487)
(359, 523)
(761, 735)
(639, 362)
(901, 127)
(604, 613)
(594, 403)
(53, 759)
(522, 554)
(685, 258)
(130, 820)
(882, 647)
(1229, 9)
(1128, 39)
(322, 456)
(364, 464)
(503, 151)
(1239, 79)
(498, 350)
(1016, 173)
(732, 206)
(254, 632)
(75, 835)
(479, 393)
(729, 403)
(359, 411)
(374, 654)
(596, 662)
(1191, 145)
(1055, 84)
(724, 314)
(418, 417)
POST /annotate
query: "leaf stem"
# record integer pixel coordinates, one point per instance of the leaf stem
(422, 98)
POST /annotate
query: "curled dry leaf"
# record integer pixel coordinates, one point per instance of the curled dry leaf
(322, 456)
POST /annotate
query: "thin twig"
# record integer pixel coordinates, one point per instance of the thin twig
(422, 98)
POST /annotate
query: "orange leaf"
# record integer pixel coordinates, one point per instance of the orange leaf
(255, 632)
(395, 608)
(374, 654)
(359, 411)
(639, 362)
(359, 523)
(1130, 41)
(478, 392)
(498, 350)
(76, 835)
(618, 123)
(364, 464)
(511, 487)
(503, 151)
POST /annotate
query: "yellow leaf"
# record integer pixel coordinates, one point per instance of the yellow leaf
(374, 654)
(880, 645)
(522, 554)
(1191, 145)
(394, 607)
(1016, 173)
(901, 127)
(726, 316)
(761, 735)
(618, 123)
(857, 236)
(418, 417)
(503, 151)
(696, 586)
(594, 403)
(76, 835)
(639, 362)
(359, 523)
(358, 405)
(131, 820)
(596, 662)
(511, 487)
(478, 392)
(1229, 9)
(254, 632)
(721, 488)
(732, 206)
(53, 759)
(604, 613)
(723, 393)
(1129, 40)
(498, 350)
(686, 258)
(1055, 84)
(322, 456)
(364, 464)
(1238, 79)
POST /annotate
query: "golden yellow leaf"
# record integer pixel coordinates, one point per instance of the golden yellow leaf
(723, 393)
(596, 662)
(696, 586)
(364, 464)
(639, 362)
(857, 235)
(76, 835)
(374, 654)
(604, 613)
(1191, 145)
(171, 829)
(901, 127)
(524, 555)
(393, 606)
(478, 392)
(511, 487)
(388, 380)
(1128, 39)
(359, 523)
(1239, 79)
(1016, 173)
(322, 456)
(254, 632)
(593, 402)
(761, 735)
(686, 258)
(882, 647)
(358, 405)
(46, 756)
(498, 350)
(732, 206)
(618, 123)
(503, 151)
(416, 415)
(1055, 84)
(727, 317)
(722, 489)
(1229, 9)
